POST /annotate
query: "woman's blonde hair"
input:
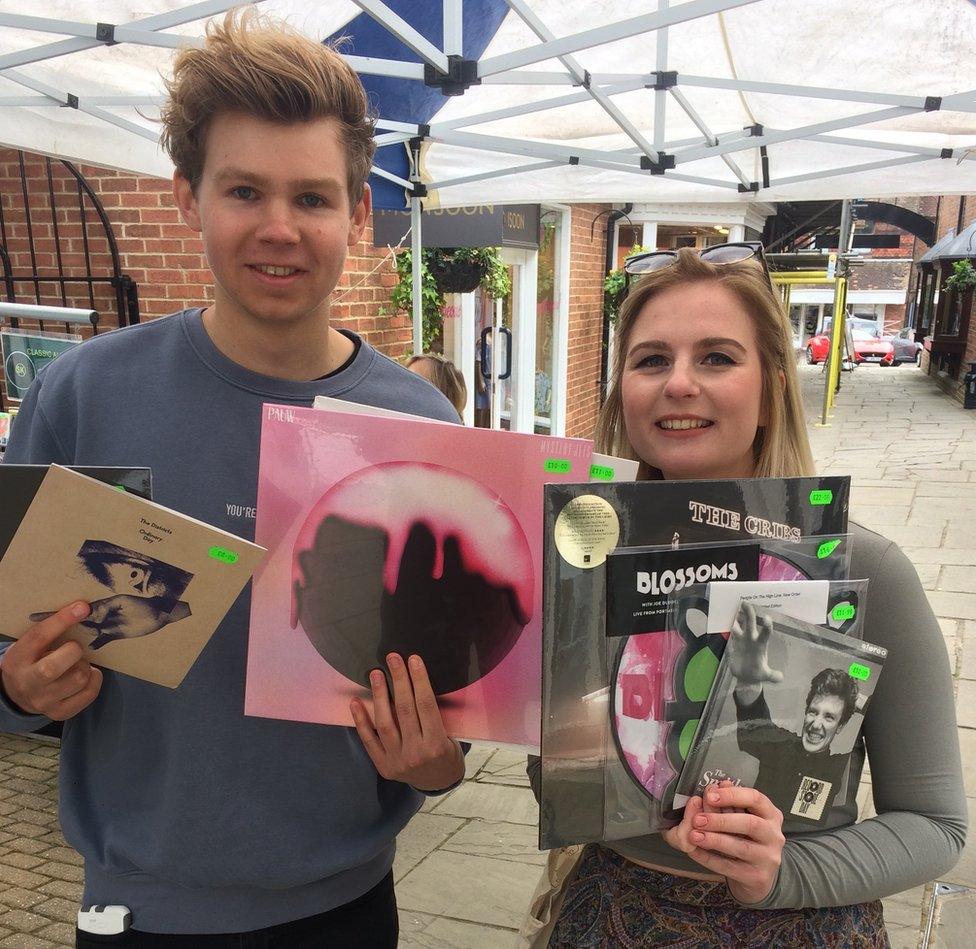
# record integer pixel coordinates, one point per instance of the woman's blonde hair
(445, 376)
(265, 68)
(781, 447)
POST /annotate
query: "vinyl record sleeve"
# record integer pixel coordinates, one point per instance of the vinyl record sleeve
(159, 582)
(392, 535)
(791, 739)
(583, 523)
(707, 613)
(602, 467)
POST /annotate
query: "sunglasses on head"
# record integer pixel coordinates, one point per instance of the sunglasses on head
(733, 253)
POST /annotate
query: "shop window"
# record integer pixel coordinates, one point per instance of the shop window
(926, 307)
(954, 315)
(673, 236)
(953, 310)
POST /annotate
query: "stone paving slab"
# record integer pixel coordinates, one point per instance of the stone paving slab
(496, 802)
(427, 833)
(438, 932)
(475, 889)
(957, 578)
(518, 842)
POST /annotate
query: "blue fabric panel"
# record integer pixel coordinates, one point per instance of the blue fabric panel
(409, 100)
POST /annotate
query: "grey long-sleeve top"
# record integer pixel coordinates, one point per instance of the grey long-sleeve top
(912, 745)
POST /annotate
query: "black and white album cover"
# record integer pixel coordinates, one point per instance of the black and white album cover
(158, 582)
(784, 714)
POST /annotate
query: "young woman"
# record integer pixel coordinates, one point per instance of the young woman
(704, 386)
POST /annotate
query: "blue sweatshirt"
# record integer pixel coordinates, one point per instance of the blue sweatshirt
(192, 815)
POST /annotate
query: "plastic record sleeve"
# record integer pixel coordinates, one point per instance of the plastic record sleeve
(688, 688)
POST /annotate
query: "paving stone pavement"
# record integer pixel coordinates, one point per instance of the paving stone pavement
(468, 862)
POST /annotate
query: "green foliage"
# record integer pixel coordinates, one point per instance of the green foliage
(495, 281)
(963, 276)
(615, 288)
(431, 299)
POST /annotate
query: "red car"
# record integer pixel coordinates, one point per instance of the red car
(867, 348)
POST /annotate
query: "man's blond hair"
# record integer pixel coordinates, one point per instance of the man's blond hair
(262, 67)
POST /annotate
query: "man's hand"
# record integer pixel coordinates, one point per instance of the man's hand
(749, 644)
(40, 680)
(408, 744)
(740, 837)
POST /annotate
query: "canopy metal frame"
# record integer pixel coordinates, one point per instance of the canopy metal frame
(645, 155)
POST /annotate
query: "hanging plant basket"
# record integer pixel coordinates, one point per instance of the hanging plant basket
(447, 270)
(456, 276)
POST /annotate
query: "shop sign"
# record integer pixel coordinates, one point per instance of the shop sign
(482, 225)
(26, 352)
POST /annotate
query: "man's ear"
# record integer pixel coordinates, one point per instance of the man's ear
(360, 215)
(186, 202)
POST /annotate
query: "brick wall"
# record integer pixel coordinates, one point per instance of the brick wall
(166, 261)
(586, 271)
(156, 250)
(18, 228)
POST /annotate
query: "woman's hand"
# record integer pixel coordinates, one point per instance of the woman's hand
(679, 837)
(407, 741)
(746, 847)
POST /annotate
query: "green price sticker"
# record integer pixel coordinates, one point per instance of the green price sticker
(820, 498)
(843, 611)
(825, 550)
(558, 465)
(222, 553)
(601, 473)
(857, 671)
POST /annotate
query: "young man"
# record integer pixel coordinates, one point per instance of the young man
(199, 820)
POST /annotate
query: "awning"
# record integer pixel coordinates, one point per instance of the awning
(598, 100)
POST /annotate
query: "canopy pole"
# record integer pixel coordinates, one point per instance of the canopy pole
(835, 353)
(416, 193)
(416, 252)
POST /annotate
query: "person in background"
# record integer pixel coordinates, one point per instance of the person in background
(442, 374)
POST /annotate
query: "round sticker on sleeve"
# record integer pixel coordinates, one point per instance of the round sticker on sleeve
(586, 530)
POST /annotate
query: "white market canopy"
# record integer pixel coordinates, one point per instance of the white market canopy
(592, 100)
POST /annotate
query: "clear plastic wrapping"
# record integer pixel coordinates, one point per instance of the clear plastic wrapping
(583, 524)
(644, 757)
(783, 714)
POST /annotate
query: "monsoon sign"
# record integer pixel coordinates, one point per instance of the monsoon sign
(26, 352)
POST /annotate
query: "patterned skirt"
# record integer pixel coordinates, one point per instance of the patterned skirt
(615, 904)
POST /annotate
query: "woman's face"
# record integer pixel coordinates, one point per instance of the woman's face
(692, 384)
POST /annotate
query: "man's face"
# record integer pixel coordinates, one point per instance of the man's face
(821, 721)
(273, 209)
